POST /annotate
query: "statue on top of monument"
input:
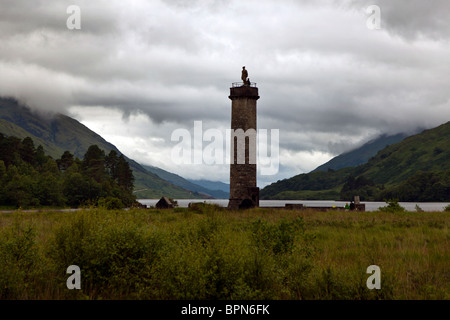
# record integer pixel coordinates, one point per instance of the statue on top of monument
(244, 77)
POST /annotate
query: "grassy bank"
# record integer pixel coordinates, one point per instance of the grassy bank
(210, 253)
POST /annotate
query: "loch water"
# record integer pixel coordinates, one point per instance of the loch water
(370, 206)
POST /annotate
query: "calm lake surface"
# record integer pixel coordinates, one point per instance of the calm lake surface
(370, 206)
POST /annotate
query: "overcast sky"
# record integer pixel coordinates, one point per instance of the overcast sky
(138, 70)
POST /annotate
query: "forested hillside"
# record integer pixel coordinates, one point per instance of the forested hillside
(58, 133)
(362, 154)
(31, 178)
(415, 169)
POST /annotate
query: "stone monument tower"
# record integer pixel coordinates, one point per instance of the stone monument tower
(243, 190)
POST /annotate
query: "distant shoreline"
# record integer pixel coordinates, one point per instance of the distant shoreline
(184, 203)
(370, 205)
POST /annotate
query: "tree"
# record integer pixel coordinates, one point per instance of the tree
(361, 186)
(29, 177)
(124, 174)
(48, 185)
(2, 172)
(66, 161)
(49, 191)
(79, 189)
(94, 163)
(41, 158)
(111, 162)
(18, 190)
(9, 150)
(27, 151)
(2, 182)
(422, 186)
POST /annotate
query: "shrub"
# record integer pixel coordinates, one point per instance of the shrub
(174, 202)
(19, 258)
(278, 238)
(115, 257)
(110, 203)
(203, 207)
(393, 206)
(255, 255)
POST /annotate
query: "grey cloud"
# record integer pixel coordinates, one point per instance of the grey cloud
(24, 16)
(325, 80)
(412, 19)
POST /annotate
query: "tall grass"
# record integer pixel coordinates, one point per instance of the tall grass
(209, 253)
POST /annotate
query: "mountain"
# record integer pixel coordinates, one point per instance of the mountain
(418, 165)
(212, 185)
(317, 185)
(58, 133)
(426, 151)
(362, 154)
(205, 187)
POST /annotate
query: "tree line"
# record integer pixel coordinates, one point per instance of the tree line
(31, 178)
(423, 186)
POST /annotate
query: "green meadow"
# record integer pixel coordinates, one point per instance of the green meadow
(209, 253)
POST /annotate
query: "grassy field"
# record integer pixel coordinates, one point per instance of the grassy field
(211, 253)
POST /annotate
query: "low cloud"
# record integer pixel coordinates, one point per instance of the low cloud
(412, 20)
(325, 80)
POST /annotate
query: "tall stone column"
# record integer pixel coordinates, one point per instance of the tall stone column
(244, 192)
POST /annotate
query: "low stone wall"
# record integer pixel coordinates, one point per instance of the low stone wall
(299, 206)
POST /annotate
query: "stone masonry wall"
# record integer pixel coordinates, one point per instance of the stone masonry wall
(243, 176)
